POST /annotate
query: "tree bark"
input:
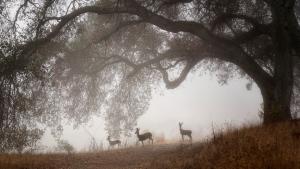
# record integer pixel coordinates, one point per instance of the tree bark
(277, 97)
(276, 104)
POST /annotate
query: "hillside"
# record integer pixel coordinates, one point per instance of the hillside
(262, 147)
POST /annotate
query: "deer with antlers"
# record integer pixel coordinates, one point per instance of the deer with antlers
(112, 143)
(144, 136)
(185, 132)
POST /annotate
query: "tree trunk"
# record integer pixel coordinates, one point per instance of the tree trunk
(277, 97)
(276, 105)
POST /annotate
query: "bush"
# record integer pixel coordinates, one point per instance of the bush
(19, 139)
(65, 146)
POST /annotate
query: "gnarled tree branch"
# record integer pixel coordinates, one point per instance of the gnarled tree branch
(233, 52)
(171, 84)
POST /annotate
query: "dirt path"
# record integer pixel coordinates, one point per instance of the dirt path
(117, 159)
(127, 158)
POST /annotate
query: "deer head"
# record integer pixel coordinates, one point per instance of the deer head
(180, 124)
(137, 131)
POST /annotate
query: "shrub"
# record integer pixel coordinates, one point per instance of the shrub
(65, 146)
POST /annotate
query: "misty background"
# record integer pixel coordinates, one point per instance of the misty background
(198, 102)
(82, 70)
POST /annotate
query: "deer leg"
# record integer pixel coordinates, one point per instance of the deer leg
(150, 140)
(143, 143)
(191, 139)
(182, 136)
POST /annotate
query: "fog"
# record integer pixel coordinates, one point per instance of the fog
(198, 102)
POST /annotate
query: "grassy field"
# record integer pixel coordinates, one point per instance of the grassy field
(262, 147)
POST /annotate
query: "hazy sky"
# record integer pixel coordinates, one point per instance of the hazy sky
(197, 102)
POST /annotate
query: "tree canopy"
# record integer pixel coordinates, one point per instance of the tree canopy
(73, 59)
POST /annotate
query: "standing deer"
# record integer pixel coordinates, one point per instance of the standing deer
(112, 143)
(144, 136)
(185, 132)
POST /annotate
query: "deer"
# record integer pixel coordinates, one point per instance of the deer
(144, 136)
(185, 132)
(112, 143)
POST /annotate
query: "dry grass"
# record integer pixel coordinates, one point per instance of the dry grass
(264, 147)
(267, 147)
